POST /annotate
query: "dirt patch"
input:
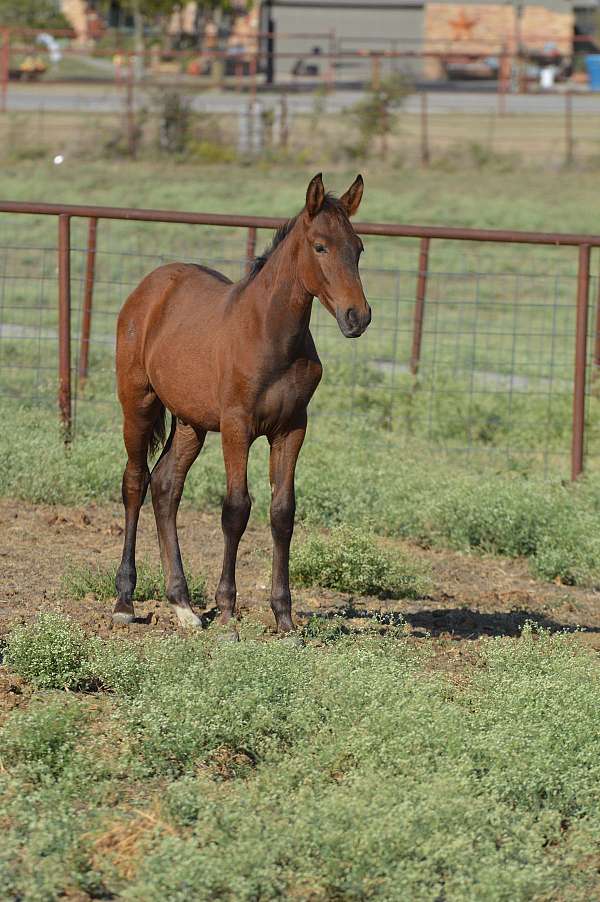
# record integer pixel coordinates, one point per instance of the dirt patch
(472, 596)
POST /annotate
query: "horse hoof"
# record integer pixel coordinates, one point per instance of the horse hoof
(120, 618)
(187, 618)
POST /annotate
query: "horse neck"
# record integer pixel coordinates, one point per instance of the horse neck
(284, 304)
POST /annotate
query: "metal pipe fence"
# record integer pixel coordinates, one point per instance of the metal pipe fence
(479, 341)
(269, 58)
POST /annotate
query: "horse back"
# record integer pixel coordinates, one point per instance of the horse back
(168, 286)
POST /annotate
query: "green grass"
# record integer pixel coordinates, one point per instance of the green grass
(79, 581)
(354, 770)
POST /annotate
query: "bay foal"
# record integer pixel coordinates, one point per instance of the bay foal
(239, 359)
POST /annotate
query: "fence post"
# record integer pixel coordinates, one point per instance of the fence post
(86, 320)
(415, 357)
(424, 131)
(253, 69)
(284, 127)
(129, 109)
(568, 128)
(330, 61)
(4, 68)
(503, 76)
(596, 367)
(581, 327)
(250, 247)
(375, 71)
(64, 323)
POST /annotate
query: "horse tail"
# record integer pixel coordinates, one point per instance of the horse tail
(159, 434)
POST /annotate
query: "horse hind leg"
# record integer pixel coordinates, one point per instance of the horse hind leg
(139, 427)
(166, 482)
(235, 438)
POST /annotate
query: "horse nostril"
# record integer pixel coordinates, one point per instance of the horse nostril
(351, 317)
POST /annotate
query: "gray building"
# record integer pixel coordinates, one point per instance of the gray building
(307, 30)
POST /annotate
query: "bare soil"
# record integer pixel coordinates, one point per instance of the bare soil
(472, 596)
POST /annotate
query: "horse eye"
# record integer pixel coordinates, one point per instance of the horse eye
(320, 249)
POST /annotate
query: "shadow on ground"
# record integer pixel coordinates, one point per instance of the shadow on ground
(459, 623)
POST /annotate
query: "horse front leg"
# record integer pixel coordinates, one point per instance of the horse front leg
(235, 439)
(285, 448)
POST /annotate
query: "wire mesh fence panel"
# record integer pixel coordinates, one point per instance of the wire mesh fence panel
(28, 324)
(540, 136)
(494, 372)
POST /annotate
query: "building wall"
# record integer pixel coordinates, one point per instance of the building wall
(441, 27)
(346, 30)
(487, 29)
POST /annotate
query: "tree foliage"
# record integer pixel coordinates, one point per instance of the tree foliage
(32, 14)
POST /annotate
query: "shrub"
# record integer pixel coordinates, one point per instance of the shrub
(211, 152)
(41, 14)
(119, 664)
(42, 738)
(373, 114)
(351, 560)
(174, 115)
(325, 629)
(51, 653)
(544, 522)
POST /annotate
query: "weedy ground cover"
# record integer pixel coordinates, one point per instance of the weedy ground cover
(353, 769)
(390, 489)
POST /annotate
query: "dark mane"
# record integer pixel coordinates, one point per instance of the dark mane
(331, 204)
(281, 233)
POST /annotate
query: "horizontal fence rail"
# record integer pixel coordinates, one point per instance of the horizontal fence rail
(440, 336)
(387, 229)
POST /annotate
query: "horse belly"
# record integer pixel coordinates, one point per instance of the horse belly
(181, 384)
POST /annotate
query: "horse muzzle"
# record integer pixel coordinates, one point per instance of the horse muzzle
(353, 323)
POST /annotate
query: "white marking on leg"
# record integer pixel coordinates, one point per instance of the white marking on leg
(187, 617)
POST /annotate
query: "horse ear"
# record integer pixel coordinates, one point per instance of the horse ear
(315, 195)
(353, 196)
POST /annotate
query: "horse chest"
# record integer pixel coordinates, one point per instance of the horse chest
(289, 391)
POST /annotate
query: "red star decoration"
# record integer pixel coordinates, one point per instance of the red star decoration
(462, 26)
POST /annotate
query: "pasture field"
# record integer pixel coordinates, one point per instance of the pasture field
(497, 356)
(436, 736)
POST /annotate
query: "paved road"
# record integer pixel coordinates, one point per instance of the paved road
(98, 98)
